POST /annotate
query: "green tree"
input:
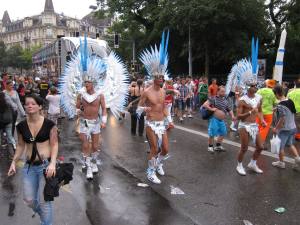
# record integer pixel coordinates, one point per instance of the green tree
(221, 30)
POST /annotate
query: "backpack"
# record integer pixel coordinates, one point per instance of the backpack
(6, 117)
(205, 113)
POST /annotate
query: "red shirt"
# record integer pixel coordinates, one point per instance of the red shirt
(169, 97)
(212, 90)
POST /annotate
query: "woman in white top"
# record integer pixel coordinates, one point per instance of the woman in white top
(54, 104)
(18, 109)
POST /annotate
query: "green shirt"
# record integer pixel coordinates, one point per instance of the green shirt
(203, 91)
(294, 95)
(268, 100)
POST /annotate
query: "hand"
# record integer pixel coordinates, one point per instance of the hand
(12, 169)
(103, 125)
(213, 109)
(147, 109)
(171, 125)
(264, 123)
(275, 131)
(233, 118)
(51, 170)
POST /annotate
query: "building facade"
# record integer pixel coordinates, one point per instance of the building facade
(44, 29)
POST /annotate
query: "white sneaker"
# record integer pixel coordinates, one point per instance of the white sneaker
(220, 148)
(254, 167)
(232, 127)
(190, 116)
(297, 162)
(240, 169)
(160, 169)
(94, 168)
(279, 164)
(184, 116)
(153, 178)
(180, 119)
(89, 173)
(211, 149)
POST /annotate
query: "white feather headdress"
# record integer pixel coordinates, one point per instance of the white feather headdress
(244, 72)
(156, 61)
(109, 76)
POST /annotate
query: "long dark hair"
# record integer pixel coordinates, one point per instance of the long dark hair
(3, 104)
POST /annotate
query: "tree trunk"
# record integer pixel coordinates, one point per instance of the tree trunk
(206, 59)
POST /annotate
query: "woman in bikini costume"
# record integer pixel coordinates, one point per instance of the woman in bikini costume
(37, 136)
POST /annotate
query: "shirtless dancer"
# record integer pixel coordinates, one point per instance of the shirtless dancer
(152, 102)
(249, 107)
(90, 125)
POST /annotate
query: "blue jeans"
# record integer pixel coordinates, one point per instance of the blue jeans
(8, 131)
(33, 186)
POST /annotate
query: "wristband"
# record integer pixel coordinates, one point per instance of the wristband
(104, 119)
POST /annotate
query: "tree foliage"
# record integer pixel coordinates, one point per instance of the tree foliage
(221, 30)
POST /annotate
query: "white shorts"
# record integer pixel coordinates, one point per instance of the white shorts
(89, 127)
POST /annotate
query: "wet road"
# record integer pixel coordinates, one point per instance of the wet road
(214, 194)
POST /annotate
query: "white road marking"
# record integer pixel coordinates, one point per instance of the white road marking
(226, 141)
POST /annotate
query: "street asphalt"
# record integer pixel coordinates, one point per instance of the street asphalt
(210, 190)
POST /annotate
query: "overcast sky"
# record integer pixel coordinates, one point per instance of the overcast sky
(18, 9)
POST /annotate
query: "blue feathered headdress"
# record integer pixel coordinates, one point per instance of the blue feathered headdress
(244, 71)
(156, 61)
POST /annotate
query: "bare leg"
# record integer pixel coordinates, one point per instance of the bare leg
(294, 151)
(210, 140)
(85, 145)
(95, 142)
(165, 145)
(244, 143)
(152, 139)
(259, 147)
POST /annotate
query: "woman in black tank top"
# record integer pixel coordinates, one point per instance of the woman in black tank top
(136, 90)
(38, 136)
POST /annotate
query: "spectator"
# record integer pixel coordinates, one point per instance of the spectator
(4, 80)
(31, 87)
(268, 102)
(6, 119)
(43, 88)
(184, 95)
(213, 88)
(16, 103)
(294, 95)
(203, 91)
(21, 89)
(285, 126)
(54, 105)
(216, 125)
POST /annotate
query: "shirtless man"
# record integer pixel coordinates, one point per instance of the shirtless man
(152, 102)
(90, 101)
(249, 107)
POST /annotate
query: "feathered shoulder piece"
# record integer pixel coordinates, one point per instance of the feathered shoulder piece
(156, 61)
(244, 72)
(84, 66)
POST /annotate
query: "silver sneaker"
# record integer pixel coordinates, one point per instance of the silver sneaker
(279, 164)
(220, 148)
(89, 173)
(160, 169)
(94, 168)
(240, 169)
(211, 149)
(254, 167)
(151, 175)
